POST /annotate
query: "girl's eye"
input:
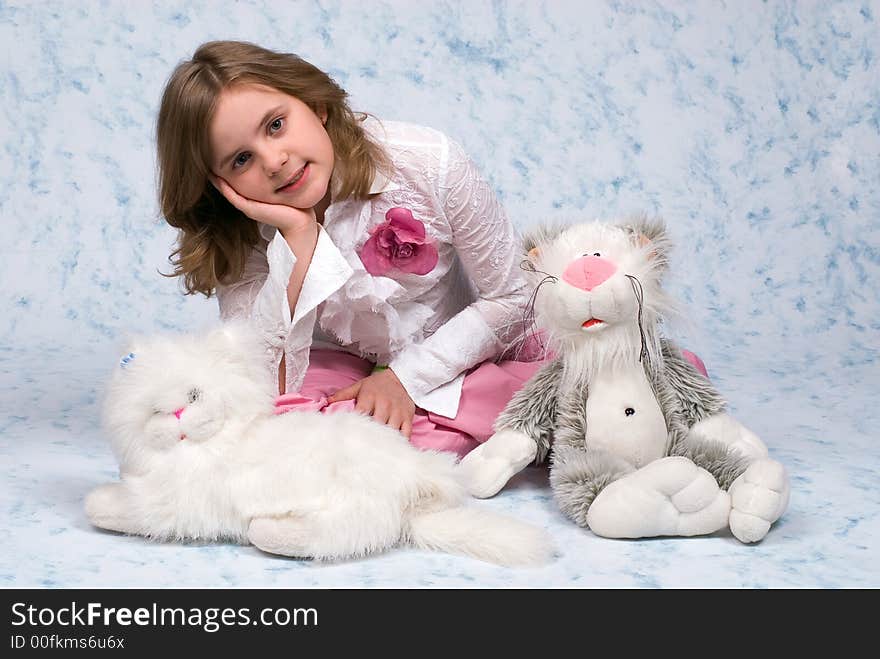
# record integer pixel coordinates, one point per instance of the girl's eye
(241, 160)
(276, 125)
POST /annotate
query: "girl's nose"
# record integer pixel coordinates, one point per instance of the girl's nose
(179, 411)
(275, 162)
(588, 272)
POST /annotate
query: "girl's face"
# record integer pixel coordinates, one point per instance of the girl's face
(271, 147)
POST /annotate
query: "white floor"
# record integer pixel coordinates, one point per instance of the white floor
(822, 430)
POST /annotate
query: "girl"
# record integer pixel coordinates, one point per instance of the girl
(373, 257)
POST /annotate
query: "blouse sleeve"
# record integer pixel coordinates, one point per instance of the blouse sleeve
(484, 241)
(260, 296)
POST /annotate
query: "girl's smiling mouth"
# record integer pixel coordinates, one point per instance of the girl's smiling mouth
(296, 180)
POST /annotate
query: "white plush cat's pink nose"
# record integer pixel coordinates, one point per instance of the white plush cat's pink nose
(588, 272)
(178, 412)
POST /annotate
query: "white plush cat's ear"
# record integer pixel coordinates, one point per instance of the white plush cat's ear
(236, 340)
(230, 333)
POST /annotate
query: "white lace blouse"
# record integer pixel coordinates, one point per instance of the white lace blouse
(428, 328)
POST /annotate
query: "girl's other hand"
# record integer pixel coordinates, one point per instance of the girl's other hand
(285, 218)
(382, 396)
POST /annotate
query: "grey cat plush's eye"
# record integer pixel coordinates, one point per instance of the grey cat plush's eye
(193, 395)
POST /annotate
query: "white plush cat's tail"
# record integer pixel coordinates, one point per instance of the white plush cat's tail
(482, 535)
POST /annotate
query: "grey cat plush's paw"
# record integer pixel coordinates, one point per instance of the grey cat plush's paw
(725, 429)
(758, 498)
(487, 468)
(671, 496)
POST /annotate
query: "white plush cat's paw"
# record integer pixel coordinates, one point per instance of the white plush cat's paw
(488, 467)
(107, 508)
(285, 536)
(758, 497)
(670, 496)
(730, 432)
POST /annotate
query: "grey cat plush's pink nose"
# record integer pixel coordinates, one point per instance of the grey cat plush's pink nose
(588, 272)
(179, 411)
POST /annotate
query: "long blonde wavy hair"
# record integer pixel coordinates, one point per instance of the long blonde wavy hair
(214, 237)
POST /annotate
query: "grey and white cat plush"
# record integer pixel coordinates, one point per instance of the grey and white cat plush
(642, 444)
(203, 457)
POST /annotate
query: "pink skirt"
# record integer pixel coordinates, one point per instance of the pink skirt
(486, 390)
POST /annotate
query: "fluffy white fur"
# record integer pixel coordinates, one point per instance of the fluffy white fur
(300, 484)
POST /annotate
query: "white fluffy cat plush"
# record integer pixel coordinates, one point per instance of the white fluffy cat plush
(203, 457)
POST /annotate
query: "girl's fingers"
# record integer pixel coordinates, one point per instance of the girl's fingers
(243, 204)
(276, 215)
(365, 405)
(401, 419)
(226, 190)
(395, 420)
(348, 393)
(399, 422)
(391, 411)
(222, 186)
(381, 413)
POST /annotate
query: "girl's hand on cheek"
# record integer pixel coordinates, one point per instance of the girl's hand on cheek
(285, 218)
(383, 397)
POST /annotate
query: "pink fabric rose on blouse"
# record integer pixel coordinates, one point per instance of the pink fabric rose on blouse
(399, 243)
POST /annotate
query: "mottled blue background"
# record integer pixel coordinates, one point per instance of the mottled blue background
(752, 127)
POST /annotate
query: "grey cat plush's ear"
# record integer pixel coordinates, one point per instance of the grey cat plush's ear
(650, 231)
(536, 237)
(653, 228)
